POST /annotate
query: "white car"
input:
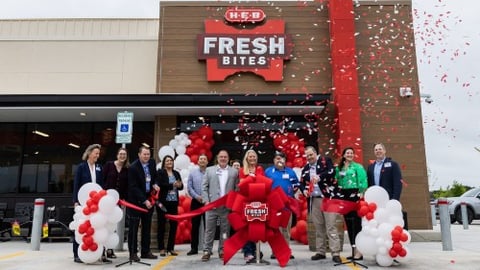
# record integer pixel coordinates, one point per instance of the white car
(472, 200)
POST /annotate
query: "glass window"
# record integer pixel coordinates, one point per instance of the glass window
(11, 142)
(238, 134)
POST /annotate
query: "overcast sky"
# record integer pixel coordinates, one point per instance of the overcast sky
(448, 52)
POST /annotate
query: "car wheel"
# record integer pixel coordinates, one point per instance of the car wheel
(458, 215)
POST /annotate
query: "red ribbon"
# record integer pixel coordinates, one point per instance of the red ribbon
(254, 189)
(133, 206)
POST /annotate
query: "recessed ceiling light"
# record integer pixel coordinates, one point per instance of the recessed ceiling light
(146, 145)
(43, 134)
(83, 114)
(73, 145)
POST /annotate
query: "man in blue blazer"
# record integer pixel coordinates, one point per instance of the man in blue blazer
(87, 171)
(142, 179)
(385, 172)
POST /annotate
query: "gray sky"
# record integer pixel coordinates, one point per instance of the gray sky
(447, 40)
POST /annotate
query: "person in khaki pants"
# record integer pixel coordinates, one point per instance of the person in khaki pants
(317, 176)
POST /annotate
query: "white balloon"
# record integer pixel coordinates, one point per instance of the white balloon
(84, 192)
(180, 149)
(394, 206)
(173, 143)
(385, 230)
(106, 205)
(384, 260)
(90, 256)
(111, 227)
(112, 240)
(396, 220)
(100, 236)
(98, 220)
(366, 244)
(381, 215)
(409, 237)
(182, 162)
(377, 195)
(73, 225)
(116, 215)
(166, 150)
(78, 209)
(382, 250)
(114, 194)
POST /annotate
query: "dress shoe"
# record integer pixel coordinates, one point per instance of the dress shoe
(77, 260)
(172, 253)
(111, 254)
(163, 253)
(105, 260)
(149, 256)
(192, 252)
(206, 256)
(134, 258)
(273, 257)
(292, 257)
(317, 257)
(337, 259)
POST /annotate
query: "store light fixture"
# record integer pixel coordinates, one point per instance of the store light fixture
(83, 114)
(39, 133)
(74, 145)
(146, 145)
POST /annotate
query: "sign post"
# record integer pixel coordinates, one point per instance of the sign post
(123, 136)
(124, 127)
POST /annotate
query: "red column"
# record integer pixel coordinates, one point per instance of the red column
(344, 76)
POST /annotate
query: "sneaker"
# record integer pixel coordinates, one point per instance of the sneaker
(206, 256)
(250, 259)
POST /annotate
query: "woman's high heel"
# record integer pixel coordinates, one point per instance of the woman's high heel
(162, 253)
(172, 253)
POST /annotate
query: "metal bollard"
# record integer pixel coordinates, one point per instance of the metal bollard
(463, 208)
(121, 231)
(445, 224)
(37, 223)
(433, 213)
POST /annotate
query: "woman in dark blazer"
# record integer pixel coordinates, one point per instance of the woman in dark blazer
(170, 183)
(87, 171)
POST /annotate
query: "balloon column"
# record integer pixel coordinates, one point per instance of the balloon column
(185, 226)
(382, 232)
(95, 221)
(299, 231)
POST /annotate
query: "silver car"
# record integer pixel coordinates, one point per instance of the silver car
(472, 200)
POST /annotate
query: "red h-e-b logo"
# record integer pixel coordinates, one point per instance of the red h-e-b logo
(256, 210)
(228, 50)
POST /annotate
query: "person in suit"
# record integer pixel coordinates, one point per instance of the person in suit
(194, 186)
(170, 183)
(385, 172)
(218, 180)
(87, 171)
(142, 176)
(319, 175)
(115, 176)
(352, 181)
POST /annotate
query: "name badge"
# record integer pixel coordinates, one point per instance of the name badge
(285, 176)
(342, 173)
(387, 164)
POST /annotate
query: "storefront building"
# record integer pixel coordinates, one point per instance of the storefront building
(332, 72)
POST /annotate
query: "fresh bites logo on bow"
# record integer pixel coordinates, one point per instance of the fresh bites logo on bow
(260, 50)
(256, 210)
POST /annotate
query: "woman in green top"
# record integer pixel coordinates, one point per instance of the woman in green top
(352, 181)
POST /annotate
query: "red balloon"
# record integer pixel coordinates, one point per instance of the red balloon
(89, 202)
(298, 162)
(86, 211)
(94, 208)
(403, 237)
(392, 253)
(102, 193)
(369, 216)
(294, 233)
(395, 234)
(84, 247)
(372, 206)
(402, 252)
(304, 215)
(304, 239)
(363, 211)
(93, 247)
(397, 247)
(301, 227)
(87, 240)
(82, 228)
(362, 203)
(399, 229)
(92, 193)
(90, 231)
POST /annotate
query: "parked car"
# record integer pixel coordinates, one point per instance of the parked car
(472, 200)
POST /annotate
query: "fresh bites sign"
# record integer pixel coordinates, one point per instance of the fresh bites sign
(229, 50)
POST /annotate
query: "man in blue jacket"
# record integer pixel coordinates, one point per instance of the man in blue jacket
(385, 172)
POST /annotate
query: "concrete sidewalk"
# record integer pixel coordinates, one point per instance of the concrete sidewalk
(427, 254)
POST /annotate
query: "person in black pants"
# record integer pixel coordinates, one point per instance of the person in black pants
(170, 183)
(195, 191)
(142, 177)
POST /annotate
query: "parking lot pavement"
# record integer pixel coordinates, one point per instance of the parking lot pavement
(424, 255)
